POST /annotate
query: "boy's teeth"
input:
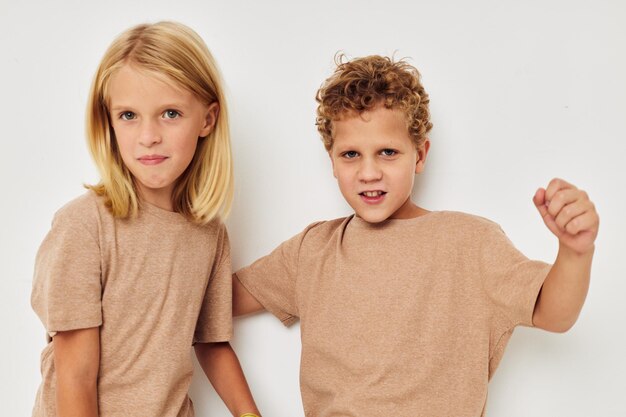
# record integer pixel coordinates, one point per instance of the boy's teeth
(372, 193)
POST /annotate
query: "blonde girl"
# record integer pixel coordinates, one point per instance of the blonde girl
(137, 270)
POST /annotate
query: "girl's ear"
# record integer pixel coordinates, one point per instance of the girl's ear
(210, 119)
(422, 151)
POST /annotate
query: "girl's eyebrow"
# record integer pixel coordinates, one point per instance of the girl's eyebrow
(119, 107)
(173, 105)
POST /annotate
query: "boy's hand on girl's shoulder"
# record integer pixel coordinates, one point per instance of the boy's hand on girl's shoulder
(569, 214)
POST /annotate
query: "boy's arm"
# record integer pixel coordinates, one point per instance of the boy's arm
(243, 301)
(77, 361)
(572, 218)
(222, 368)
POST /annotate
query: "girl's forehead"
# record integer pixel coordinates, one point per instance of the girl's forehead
(130, 78)
(137, 72)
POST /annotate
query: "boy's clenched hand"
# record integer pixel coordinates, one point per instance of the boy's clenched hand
(569, 214)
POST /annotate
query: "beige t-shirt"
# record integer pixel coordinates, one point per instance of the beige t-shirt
(154, 284)
(404, 318)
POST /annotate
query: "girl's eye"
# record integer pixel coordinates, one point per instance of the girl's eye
(388, 152)
(171, 114)
(350, 154)
(127, 115)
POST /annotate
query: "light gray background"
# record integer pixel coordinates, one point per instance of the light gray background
(520, 91)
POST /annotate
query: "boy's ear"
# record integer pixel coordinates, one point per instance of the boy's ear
(210, 119)
(422, 152)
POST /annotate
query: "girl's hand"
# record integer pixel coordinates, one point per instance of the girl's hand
(569, 214)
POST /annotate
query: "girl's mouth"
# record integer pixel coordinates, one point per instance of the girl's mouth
(152, 159)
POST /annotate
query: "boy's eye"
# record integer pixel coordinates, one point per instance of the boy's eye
(388, 152)
(127, 115)
(171, 114)
(350, 154)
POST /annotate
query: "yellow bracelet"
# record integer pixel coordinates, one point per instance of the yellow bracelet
(249, 415)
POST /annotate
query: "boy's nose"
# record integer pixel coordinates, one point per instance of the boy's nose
(149, 134)
(369, 171)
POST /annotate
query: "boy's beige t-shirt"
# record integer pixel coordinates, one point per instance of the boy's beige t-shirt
(404, 318)
(154, 285)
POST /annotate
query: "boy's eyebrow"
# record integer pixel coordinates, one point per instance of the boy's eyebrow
(341, 148)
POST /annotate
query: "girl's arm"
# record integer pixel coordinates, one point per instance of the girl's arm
(77, 360)
(221, 366)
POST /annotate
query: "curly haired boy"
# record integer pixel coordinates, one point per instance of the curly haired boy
(406, 311)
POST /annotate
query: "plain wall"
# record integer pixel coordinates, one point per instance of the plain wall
(521, 92)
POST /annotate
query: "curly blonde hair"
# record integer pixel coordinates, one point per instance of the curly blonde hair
(362, 84)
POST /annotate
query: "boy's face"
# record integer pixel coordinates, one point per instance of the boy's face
(375, 162)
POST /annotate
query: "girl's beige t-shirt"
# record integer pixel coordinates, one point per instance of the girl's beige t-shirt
(154, 285)
(402, 318)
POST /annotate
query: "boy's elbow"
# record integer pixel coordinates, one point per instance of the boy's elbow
(243, 302)
(561, 325)
(237, 310)
(560, 328)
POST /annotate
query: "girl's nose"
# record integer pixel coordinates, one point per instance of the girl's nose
(149, 134)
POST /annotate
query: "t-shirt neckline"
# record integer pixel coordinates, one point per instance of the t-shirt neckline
(392, 223)
(170, 216)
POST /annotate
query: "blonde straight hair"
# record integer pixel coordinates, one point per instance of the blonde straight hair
(205, 190)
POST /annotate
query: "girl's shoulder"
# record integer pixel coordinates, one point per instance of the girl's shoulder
(86, 208)
(215, 229)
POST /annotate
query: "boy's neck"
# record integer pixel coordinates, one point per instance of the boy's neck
(415, 212)
(409, 210)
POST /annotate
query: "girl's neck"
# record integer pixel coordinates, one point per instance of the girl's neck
(161, 197)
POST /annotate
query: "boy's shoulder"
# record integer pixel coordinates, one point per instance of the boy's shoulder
(323, 229)
(456, 218)
(462, 227)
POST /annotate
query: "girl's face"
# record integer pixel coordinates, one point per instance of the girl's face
(157, 127)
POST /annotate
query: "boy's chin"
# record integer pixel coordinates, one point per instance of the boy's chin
(372, 218)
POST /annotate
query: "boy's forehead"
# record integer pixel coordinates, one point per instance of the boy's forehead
(378, 118)
(376, 127)
(347, 115)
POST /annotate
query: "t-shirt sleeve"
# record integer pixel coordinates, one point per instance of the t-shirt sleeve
(511, 280)
(67, 289)
(272, 279)
(215, 321)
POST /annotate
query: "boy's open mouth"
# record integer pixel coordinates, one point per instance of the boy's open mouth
(372, 194)
(372, 197)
